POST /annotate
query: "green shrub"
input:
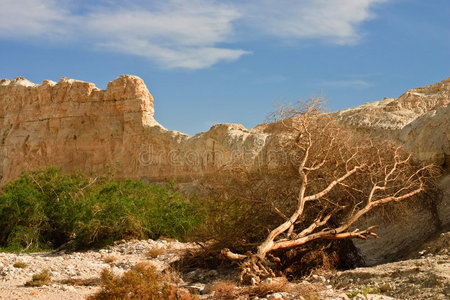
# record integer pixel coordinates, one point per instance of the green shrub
(47, 209)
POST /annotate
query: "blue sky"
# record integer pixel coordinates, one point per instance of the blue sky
(208, 62)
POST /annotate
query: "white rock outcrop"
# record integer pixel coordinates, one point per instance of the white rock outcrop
(428, 136)
(389, 116)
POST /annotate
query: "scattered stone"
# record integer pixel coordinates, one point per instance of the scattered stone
(378, 297)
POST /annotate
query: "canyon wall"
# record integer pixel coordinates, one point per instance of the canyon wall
(391, 115)
(77, 126)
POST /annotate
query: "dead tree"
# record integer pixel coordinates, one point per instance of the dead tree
(341, 173)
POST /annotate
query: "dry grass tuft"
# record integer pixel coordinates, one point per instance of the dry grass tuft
(110, 259)
(308, 291)
(39, 279)
(20, 264)
(154, 252)
(224, 290)
(141, 282)
(281, 284)
(81, 281)
(228, 290)
(273, 285)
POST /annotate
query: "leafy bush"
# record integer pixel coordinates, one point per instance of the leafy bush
(47, 209)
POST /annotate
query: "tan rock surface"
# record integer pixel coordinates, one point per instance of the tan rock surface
(390, 115)
(70, 123)
(75, 125)
(425, 275)
(428, 136)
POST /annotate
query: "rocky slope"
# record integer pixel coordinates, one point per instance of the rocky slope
(75, 125)
(424, 275)
(391, 115)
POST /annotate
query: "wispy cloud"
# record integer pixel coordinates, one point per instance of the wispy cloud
(32, 18)
(182, 34)
(179, 34)
(336, 21)
(354, 83)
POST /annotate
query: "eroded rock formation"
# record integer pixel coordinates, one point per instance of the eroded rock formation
(75, 125)
(390, 115)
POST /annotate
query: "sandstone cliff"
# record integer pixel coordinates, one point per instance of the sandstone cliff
(70, 123)
(75, 125)
(390, 115)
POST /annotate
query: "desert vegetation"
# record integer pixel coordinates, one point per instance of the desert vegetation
(141, 282)
(330, 178)
(45, 210)
(39, 279)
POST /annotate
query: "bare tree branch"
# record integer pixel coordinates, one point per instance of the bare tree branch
(341, 177)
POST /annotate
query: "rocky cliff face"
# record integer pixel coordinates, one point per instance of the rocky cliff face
(70, 123)
(75, 125)
(428, 136)
(390, 115)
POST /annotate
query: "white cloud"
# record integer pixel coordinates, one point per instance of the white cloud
(336, 21)
(191, 34)
(183, 23)
(188, 58)
(179, 35)
(31, 18)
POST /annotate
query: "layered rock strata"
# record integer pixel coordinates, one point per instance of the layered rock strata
(391, 115)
